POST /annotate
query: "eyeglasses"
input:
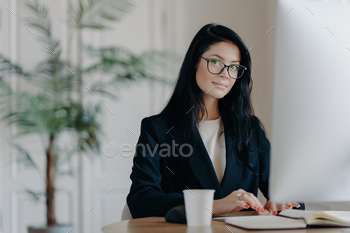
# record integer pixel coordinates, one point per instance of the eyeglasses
(216, 67)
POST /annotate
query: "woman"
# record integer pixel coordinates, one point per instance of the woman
(207, 136)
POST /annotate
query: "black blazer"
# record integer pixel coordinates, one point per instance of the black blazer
(160, 173)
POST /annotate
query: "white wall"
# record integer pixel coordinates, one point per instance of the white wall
(152, 24)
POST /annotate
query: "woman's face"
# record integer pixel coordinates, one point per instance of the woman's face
(217, 85)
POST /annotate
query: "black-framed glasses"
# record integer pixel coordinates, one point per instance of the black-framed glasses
(216, 66)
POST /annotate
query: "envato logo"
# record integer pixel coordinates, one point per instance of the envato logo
(128, 150)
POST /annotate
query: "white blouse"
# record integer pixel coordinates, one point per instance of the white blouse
(212, 133)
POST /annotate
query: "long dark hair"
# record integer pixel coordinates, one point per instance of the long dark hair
(186, 104)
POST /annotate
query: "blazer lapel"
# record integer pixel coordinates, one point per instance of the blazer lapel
(234, 166)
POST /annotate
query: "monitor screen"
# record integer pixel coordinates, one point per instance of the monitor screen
(310, 156)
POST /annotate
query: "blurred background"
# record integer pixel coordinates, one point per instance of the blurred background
(95, 195)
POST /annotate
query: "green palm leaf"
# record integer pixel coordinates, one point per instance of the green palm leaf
(40, 19)
(105, 88)
(25, 158)
(7, 67)
(42, 23)
(126, 66)
(35, 196)
(95, 14)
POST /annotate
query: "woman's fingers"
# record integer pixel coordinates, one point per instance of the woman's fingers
(296, 204)
(241, 204)
(281, 207)
(252, 201)
(287, 205)
(271, 207)
(236, 201)
(291, 205)
(274, 207)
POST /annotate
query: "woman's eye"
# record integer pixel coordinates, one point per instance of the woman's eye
(215, 62)
(233, 67)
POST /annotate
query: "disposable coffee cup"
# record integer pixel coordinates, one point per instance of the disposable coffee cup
(199, 206)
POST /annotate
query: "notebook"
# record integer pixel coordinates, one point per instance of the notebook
(292, 219)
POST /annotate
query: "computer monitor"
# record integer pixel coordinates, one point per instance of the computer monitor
(310, 157)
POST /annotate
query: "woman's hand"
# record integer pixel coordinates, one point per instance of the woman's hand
(237, 201)
(272, 208)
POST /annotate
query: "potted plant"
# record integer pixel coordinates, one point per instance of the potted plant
(49, 101)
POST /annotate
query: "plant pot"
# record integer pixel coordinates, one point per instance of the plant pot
(53, 229)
